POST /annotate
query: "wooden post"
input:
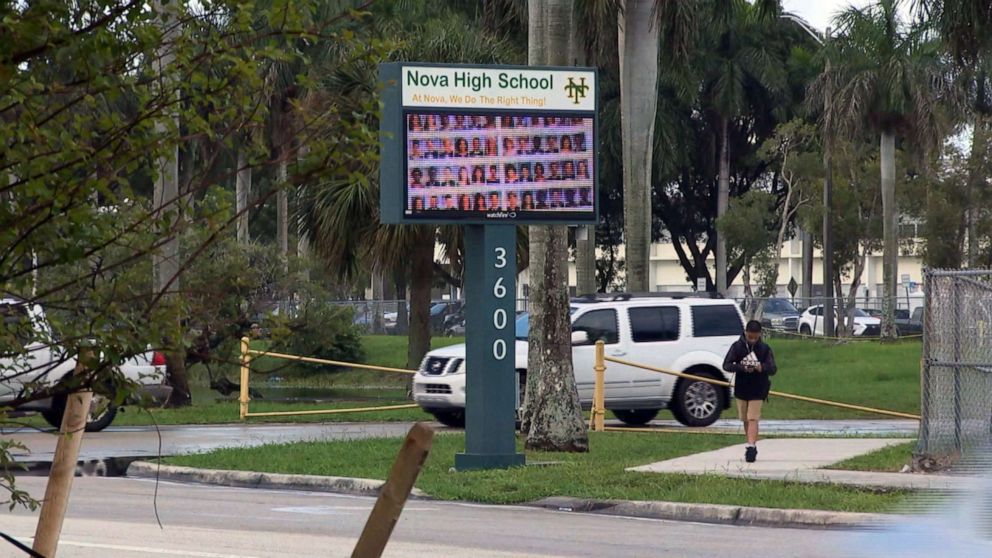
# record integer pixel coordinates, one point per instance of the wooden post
(599, 388)
(245, 369)
(395, 492)
(46, 536)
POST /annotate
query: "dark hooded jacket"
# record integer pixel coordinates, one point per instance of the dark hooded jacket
(750, 385)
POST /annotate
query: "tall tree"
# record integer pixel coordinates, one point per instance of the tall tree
(552, 414)
(638, 38)
(889, 76)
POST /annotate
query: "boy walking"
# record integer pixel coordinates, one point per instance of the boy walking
(752, 362)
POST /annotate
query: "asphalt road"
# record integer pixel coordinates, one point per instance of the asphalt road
(144, 441)
(114, 517)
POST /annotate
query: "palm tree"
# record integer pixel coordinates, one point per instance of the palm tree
(341, 217)
(890, 77)
(638, 44)
(740, 67)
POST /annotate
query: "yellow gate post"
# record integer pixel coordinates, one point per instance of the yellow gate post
(599, 388)
(245, 362)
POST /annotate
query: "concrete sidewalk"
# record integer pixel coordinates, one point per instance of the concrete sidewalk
(803, 460)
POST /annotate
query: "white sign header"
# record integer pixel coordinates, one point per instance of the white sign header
(499, 88)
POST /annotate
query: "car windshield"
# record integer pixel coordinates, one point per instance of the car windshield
(438, 308)
(523, 324)
(859, 313)
(780, 305)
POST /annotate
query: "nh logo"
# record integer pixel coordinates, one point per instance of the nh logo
(576, 91)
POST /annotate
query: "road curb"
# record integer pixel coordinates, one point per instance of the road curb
(675, 511)
(715, 513)
(249, 479)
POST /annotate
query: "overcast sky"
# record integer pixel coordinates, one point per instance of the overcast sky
(820, 13)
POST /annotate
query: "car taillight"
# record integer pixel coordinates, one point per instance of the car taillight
(158, 359)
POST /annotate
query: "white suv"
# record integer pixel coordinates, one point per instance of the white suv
(680, 333)
(42, 364)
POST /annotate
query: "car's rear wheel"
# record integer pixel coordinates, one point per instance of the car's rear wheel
(636, 417)
(453, 418)
(101, 414)
(805, 330)
(697, 403)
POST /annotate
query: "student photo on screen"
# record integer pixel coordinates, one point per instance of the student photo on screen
(539, 172)
(478, 175)
(585, 197)
(461, 147)
(569, 171)
(510, 174)
(463, 176)
(432, 177)
(465, 202)
(449, 202)
(413, 123)
(476, 148)
(415, 151)
(460, 122)
(432, 204)
(508, 147)
(447, 148)
(537, 146)
(494, 202)
(555, 172)
(525, 172)
(523, 146)
(579, 141)
(416, 178)
(551, 144)
(583, 170)
(480, 202)
(566, 144)
(418, 203)
(507, 121)
(493, 176)
(491, 147)
(448, 177)
(512, 201)
(542, 199)
(528, 200)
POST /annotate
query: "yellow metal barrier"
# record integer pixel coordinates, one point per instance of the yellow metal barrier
(246, 357)
(599, 406)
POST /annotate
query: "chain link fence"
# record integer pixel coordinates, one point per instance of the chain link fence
(956, 380)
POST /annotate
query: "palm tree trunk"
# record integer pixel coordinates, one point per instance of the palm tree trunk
(242, 188)
(890, 231)
(979, 148)
(553, 416)
(639, 36)
(722, 203)
(166, 264)
(421, 278)
(585, 260)
(282, 216)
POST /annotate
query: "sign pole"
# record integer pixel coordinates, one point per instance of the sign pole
(491, 391)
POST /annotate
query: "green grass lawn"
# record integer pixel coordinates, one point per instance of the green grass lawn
(597, 474)
(890, 459)
(879, 375)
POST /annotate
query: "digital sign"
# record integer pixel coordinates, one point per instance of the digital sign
(488, 145)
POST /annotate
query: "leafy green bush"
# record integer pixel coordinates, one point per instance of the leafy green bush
(316, 328)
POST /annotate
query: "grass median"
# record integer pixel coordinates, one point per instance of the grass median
(598, 474)
(890, 459)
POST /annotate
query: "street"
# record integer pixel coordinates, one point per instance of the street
(115, 517)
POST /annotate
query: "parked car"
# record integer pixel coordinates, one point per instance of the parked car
(684, 334)
(910, 324)
(45, 364)
(454, 324)
(811, 323)
(440, 311)
(778, 314)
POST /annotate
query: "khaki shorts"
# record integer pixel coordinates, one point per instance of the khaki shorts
(749, 410)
